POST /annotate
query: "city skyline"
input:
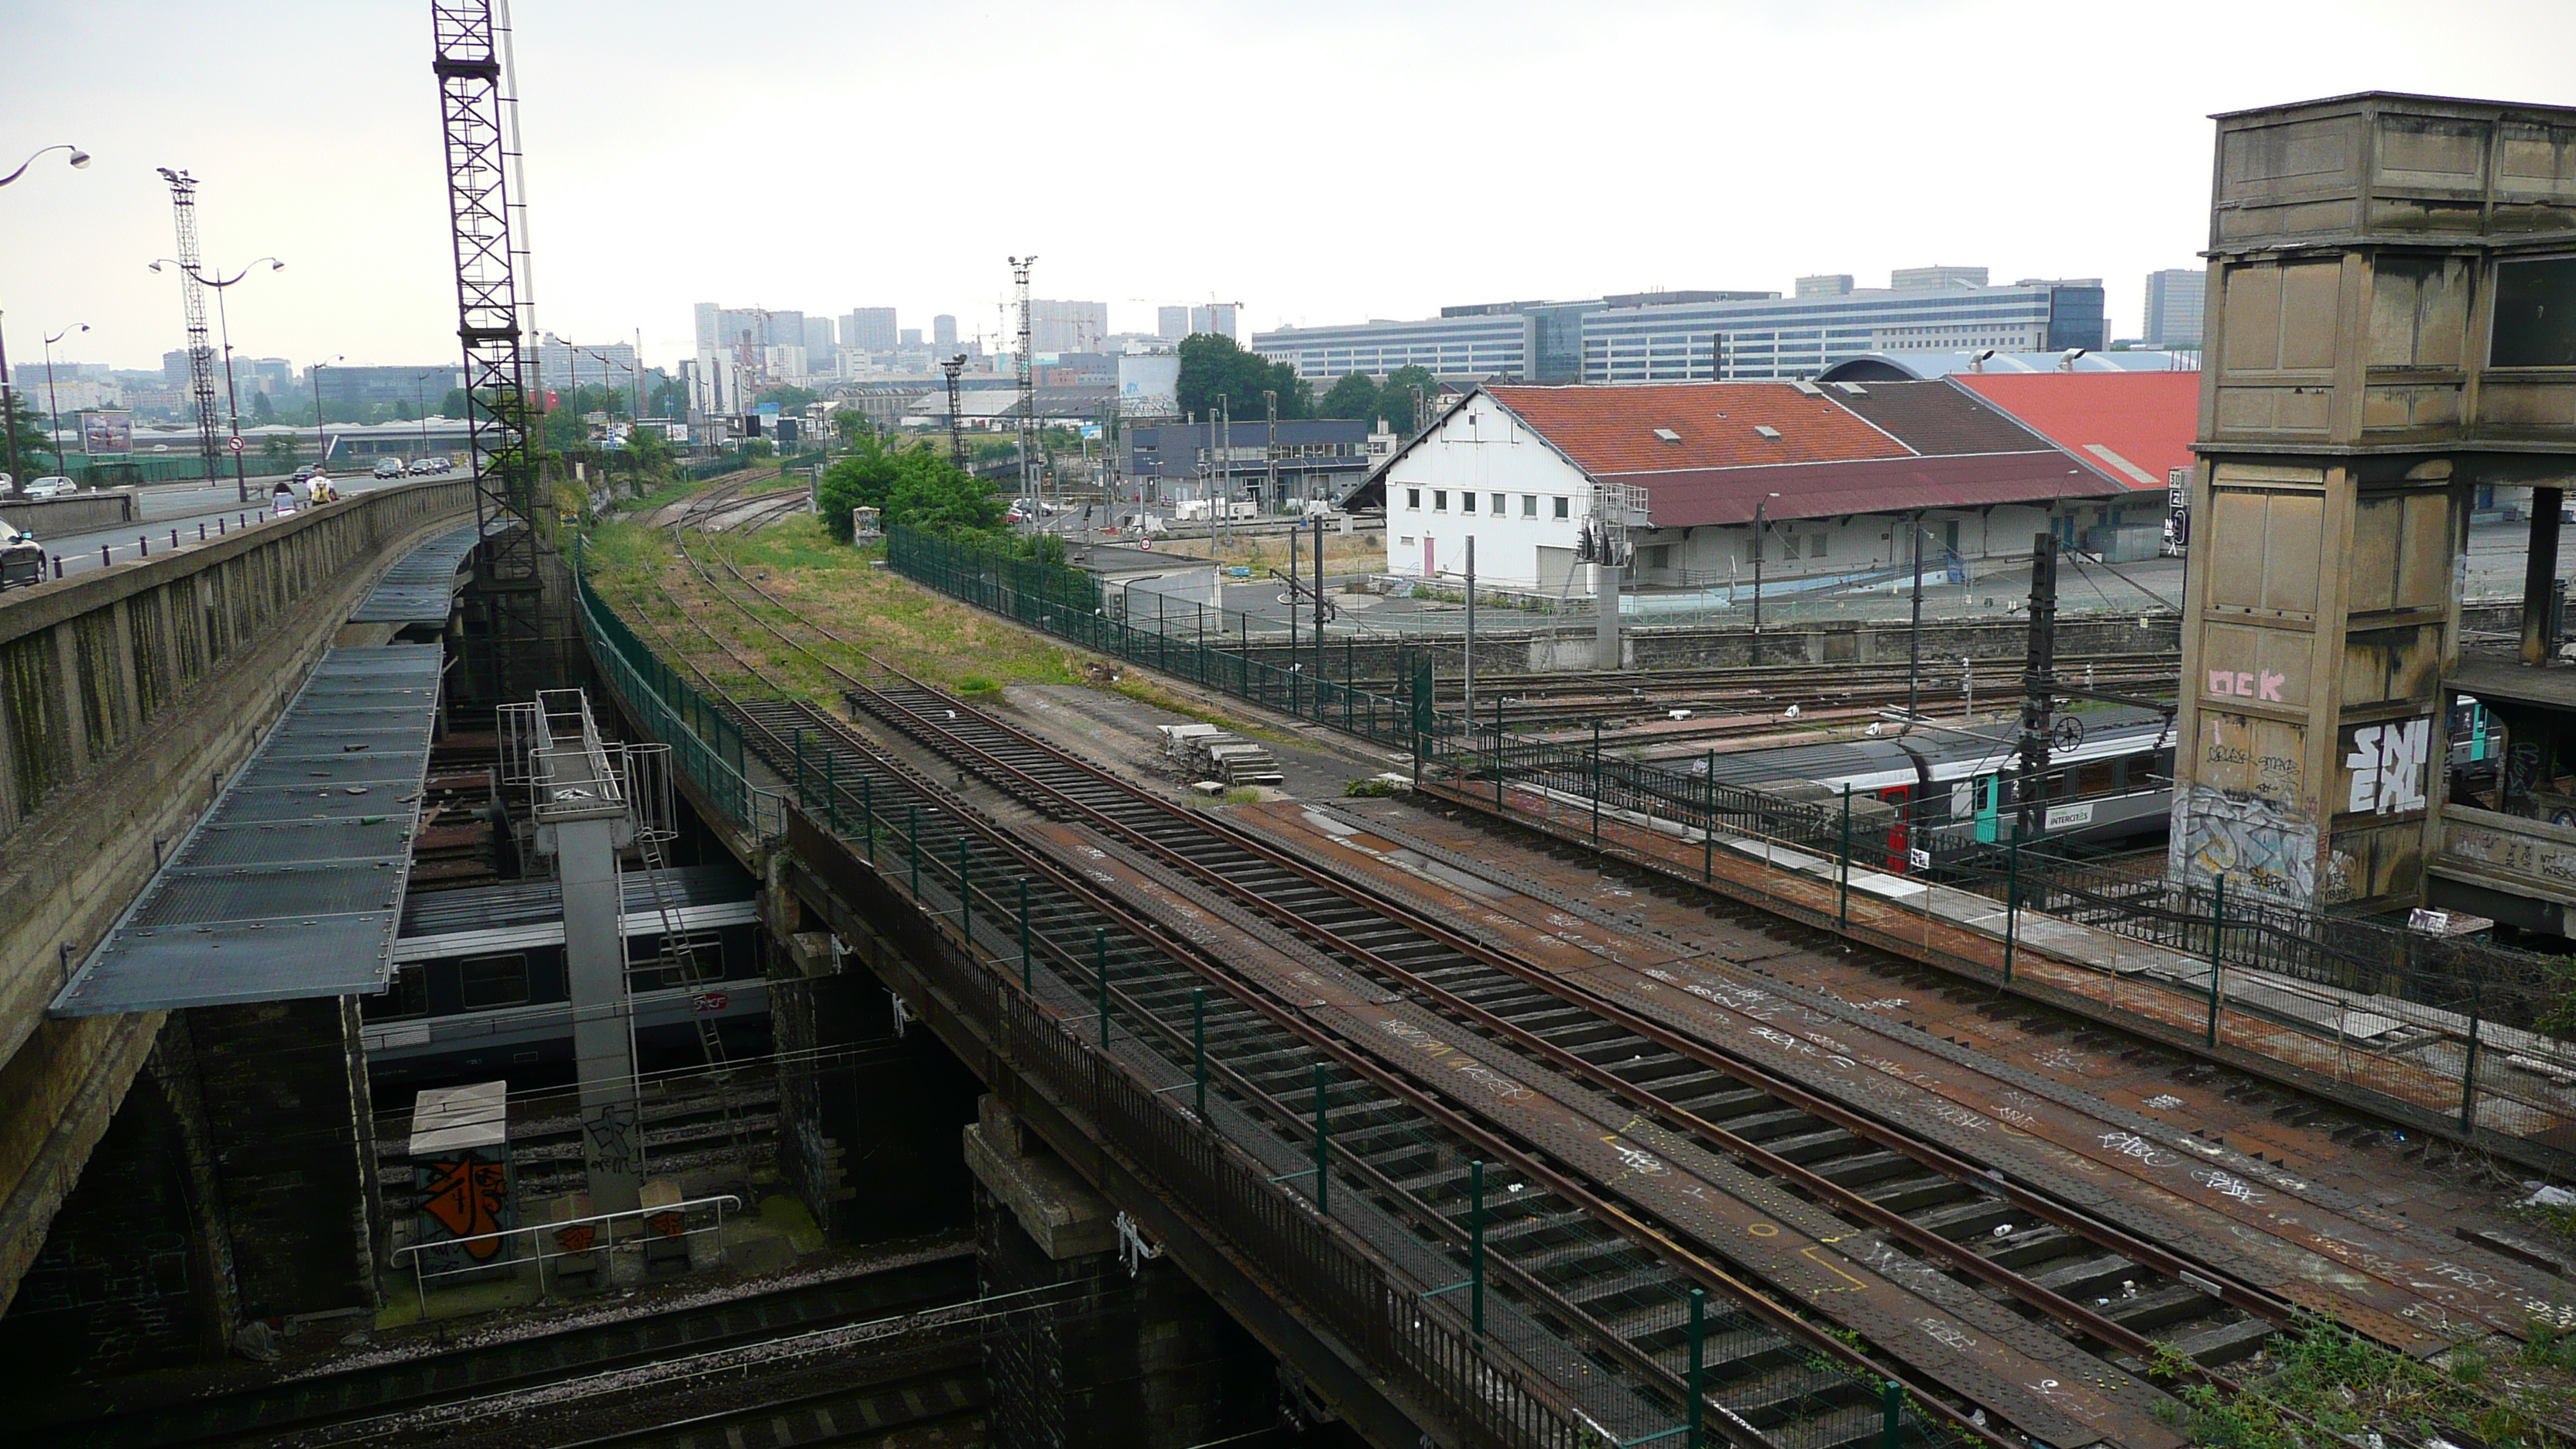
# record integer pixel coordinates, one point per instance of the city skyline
(2110, 180)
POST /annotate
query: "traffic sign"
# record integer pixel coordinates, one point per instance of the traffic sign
(234, 443)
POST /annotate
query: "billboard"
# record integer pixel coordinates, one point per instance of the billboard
(107, 432)
(1149, 385)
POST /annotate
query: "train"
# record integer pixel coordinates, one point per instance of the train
(2109, 786)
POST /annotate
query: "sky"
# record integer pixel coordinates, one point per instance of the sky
(1319, 162)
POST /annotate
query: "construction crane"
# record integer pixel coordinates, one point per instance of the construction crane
(478, 106)
(192, 297)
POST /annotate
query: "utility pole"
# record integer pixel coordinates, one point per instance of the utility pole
(1221, 444)
(1028, 382)
(2039, 673)
(192, 299)
(1468, 688)
(956, 434)
(1914, 632)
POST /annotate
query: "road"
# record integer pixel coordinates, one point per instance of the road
(181, 508)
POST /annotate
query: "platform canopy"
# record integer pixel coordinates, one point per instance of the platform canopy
(292, 884)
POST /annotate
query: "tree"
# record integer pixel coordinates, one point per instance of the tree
(30, 439)
(1395, 400)
(453, 405)
(851, 425)
(916, 486)
(789, 399)
(261, 412)
(278, 451)
(402, 411)
(1213, 366)
(1352, 397)
(669, 399)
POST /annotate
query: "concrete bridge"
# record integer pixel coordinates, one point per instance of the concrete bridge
(130, 693)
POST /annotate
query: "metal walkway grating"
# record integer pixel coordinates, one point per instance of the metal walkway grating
(292, 885)
(422, 587)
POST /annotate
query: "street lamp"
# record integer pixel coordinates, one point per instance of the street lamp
(53, 409)
(420, 400)
(1758, 507)
(232, 401)
(8, 396)
(321, 438)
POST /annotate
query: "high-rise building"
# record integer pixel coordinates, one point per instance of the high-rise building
(1837, 284)
(1061, 326)
(1170, 324)
(2174, 298)
(869, 329)
(1216, 317)
(818, 337)
(943, 330)
(1934, 278)
(908, 337)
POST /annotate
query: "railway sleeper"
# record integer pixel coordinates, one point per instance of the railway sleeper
(1916, 1191)
(1868, 1168)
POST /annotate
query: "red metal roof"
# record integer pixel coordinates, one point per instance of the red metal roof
(1609, 430)
(1686, 498)
(2145, 420)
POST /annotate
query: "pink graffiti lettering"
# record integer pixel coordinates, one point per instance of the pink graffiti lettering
(2263, 685)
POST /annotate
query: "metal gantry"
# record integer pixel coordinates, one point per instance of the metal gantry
(956, 436)
(1028, 382)
(192, 296)
(478, 109)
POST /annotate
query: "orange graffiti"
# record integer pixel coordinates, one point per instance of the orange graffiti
(466, 1199)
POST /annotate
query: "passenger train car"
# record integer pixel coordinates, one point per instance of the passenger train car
(2110, 782)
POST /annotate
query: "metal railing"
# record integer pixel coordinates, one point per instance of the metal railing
(571, 1238)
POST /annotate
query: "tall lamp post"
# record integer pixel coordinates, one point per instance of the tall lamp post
(53, 409)
(420, 400)
(321, 433)
(232, 400)
(9, 397)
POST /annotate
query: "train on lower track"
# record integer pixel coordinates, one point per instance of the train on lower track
(2109, 785)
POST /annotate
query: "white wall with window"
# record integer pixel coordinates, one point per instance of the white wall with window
(1480, 472)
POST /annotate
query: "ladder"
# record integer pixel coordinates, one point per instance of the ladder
(690, 959)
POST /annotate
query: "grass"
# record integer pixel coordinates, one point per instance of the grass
(880, 614)
(2347, 1386)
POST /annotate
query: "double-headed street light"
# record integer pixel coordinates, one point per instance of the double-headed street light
(8, 397)
(232, 402)
(53, 409)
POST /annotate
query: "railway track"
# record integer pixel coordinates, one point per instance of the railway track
(272, 1412)
(1869, 1194)
(1554, 1044)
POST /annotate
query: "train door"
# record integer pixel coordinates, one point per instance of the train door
(1989, 790)
(1898, 836)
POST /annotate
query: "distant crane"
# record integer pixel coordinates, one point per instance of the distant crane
(192, 297)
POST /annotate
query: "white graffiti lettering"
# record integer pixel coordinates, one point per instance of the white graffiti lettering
(2228, 1186)
(2130, 1144)
(2387, 764)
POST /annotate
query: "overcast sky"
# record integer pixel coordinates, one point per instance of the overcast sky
(1323, 161)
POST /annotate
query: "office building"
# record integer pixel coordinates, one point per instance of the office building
(818, 337)
(359, 386)
(1171, 324)
(1695, 336)
(908, 339)
(1838, 284)
(2173, 306)
(563, 364)
(1313, 458)
(869, 329)
(1058, 326)
(943, 330)
(1217, 318)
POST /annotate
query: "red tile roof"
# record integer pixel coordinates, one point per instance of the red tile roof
(1688, 498)
(1608, 430)
(2144, 419)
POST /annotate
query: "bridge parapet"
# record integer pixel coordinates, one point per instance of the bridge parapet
(126, 693)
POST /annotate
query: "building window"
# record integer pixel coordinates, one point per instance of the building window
(1497, 508)
(1439, 500)
(1529, 505)
(2535, 314)
(1816, 546)
(1560, 508)
(407, 996)
(1467, 502)
(1405, 542)
(490, 981)
(1413, 499)
(1660, 556)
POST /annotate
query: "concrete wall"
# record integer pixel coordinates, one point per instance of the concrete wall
(124, 693)
(52, 518)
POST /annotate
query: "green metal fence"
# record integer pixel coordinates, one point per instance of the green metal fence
(706, 746)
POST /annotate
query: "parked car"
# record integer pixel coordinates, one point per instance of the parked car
(389, 467)
(54, 486)
(304, 471)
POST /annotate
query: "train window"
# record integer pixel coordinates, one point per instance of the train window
(407, 996)
(490, 981)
